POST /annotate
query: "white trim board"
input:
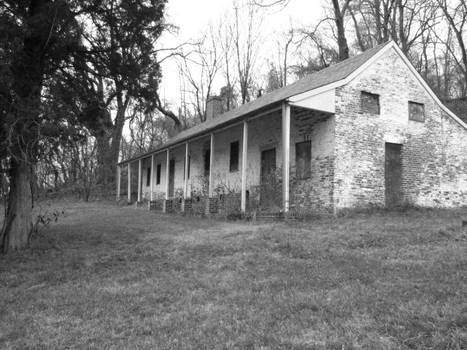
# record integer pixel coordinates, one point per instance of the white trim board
(324, 101)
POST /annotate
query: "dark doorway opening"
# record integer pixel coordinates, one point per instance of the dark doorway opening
(270, 186)
(393, 174)
(207, 161)
(171, 178)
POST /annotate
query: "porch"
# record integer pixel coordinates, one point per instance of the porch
(241, 168)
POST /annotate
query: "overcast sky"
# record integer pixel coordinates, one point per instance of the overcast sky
(192, 17)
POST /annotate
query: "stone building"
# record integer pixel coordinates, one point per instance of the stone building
(365, 132)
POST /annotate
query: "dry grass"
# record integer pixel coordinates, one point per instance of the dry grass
(111, 277)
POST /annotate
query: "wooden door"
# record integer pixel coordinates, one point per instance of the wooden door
(171, 178)
(269, 183)
(393, 174)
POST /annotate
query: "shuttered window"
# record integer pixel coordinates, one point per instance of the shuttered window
(148, 177)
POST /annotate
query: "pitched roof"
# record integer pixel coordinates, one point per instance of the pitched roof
(326, 76)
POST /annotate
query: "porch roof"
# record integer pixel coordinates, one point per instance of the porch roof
(319, 79)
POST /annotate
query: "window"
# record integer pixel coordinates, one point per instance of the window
(189, 166)
(303, 159)
(370, 103)
(234, 153)
(148, 177)
(416, 111)
(158, 174)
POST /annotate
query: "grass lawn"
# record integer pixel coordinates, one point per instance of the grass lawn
(117, 277)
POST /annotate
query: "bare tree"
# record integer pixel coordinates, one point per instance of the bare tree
(404, 21)
(245, 29)
(372, 21)
(200, 68)
(340, 11)
(456, 17)
(147, 131)
(226, 43)
(277, 76)
(415, 18)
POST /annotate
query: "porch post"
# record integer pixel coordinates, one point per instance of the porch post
(139, 179)
(211, 164)
(185, 180)
(244, 165)
(151, 180)
(285, 155)
(118, 182)
(167, 174)
(185, 184)
(129, 182)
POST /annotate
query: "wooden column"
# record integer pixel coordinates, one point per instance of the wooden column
(129, 182)
(118, 182)
(187, 164)
(139, 179)
(244, 165)
(167, 174)
(151, 180)
(285, 155)
(211, 165)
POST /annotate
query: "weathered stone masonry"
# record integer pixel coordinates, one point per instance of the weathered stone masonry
(434, 152)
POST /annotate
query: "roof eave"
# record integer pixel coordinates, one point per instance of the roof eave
(270, 108)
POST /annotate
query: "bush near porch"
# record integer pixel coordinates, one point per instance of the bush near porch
(118, 277)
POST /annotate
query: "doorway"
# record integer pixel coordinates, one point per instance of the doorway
(393, 174)
(171, 178)
(269, 186)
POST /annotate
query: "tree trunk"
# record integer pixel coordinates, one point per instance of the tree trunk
(116, 140)
(28, 73)
(341, 38)
(17, 227)
(104, 160)
(402, 36)
(358, 33)
(379, 25)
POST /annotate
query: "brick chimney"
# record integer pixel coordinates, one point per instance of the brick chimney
(213, 107)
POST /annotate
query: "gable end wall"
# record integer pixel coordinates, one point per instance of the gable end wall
(434, 153)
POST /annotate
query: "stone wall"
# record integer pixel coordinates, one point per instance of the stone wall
(316, 192)
(434, 157)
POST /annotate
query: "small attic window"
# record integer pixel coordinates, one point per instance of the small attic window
(416, 111)
(370, 103)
